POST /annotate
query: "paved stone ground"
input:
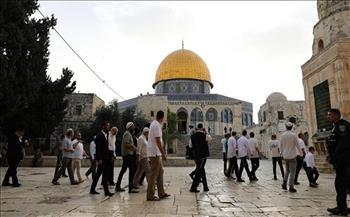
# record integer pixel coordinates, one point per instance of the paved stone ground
(38, 197)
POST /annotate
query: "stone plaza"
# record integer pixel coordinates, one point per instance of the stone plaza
(38, 197)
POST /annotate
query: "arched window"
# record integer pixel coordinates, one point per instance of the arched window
(182, 115)
(211, 117)
(196, 116)
(227, 116)
(320, 45)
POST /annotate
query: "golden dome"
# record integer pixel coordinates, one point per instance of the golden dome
(183, 64)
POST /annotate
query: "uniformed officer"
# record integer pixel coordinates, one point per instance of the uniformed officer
(339, 156)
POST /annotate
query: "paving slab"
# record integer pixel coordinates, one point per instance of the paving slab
(38, 197)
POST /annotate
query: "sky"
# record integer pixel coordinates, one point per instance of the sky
(252, 48)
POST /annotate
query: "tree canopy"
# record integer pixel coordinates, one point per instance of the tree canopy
(28, 95)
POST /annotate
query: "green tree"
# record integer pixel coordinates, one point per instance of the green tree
(171, 132)
(27, 94)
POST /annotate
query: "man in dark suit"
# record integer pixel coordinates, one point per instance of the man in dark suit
(200, 152)
(14, 156)
(103, 159)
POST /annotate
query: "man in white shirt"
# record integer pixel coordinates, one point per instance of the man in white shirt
(300, 157)
(232, 156)
(112, 137)
(77, 155)
(224, 150)
(311, 168)
(254, 155)
(243, 154)
(274, 145)
(156, 154)
(142, 158)
(289, 148)
(67, 159)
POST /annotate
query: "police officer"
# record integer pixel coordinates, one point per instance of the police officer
(339, 156)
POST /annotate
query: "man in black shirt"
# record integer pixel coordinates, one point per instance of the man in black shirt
(14, 156)
(339, 152)
(200, 149)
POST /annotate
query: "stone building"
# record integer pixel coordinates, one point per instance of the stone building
(183, 84)
(272, 118)
(80, 111)
(326, 76)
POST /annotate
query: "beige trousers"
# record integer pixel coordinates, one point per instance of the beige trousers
(142, 166)
(76, 166)
(155, 176)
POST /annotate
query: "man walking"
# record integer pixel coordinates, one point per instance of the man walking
(14, 156)
(300, 158)
(200, 153)
(232, 156)
(92, 169)
(111, 147)
(274, 145)
(129, 160)
(67, 159)
(141, 153)
(243, 154)
(254, 155)
(103, 158)
(156, 154)
(339, 152)
(289, 148)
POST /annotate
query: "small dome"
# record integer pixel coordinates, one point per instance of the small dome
(182, 64)
(276, 97)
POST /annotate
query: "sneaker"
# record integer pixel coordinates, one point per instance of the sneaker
(312, 185)
(134, 191)
(119, 189)
(109, 194)
(55, 183)
(292, 190)
(16, 185)
(284, 186)
(75, 183)
(337, 211)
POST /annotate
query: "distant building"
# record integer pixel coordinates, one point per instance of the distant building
(80, 111)
(272, 118)
(182, 84)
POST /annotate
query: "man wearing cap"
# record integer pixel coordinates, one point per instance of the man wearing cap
(141, 153)
(129, 159)
(289, 147)
(67, 159)
(112, 137)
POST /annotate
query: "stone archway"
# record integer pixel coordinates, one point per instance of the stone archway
(182, 115)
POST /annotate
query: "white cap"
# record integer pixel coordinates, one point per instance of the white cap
(289, 124)
(129, 124)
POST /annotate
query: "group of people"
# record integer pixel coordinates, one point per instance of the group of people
(143, 157)
(70, 155)
(242, 148)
